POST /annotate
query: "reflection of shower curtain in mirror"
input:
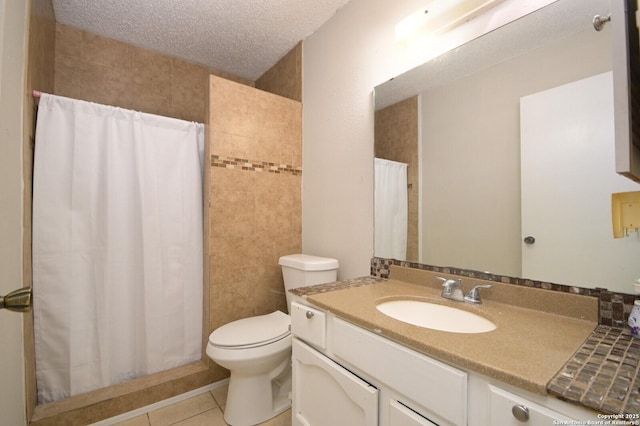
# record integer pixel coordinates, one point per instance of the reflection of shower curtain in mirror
(390, 209)
(117, 245)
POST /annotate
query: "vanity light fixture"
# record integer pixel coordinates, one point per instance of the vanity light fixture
(439, 16)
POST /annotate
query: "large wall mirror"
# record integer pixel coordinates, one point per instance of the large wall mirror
(507, 144)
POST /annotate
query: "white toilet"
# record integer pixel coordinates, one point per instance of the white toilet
(257, 350)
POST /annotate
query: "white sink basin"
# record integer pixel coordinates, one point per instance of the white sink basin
(436, 317)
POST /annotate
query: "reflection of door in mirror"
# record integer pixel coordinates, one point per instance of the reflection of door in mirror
(568, 176)
(396, 139)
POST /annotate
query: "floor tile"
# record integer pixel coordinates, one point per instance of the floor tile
(199, 410)
(182, 410)
(220, 395)
(283, 419)
(208, 418)
(142, 420)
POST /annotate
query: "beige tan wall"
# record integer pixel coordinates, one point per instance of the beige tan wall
(285, 77)
(471, 152)
(396, 139)
(254, 203)
(343, 61)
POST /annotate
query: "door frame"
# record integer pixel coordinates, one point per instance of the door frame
(13, 46)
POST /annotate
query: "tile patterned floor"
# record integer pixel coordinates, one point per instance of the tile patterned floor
(206, 409)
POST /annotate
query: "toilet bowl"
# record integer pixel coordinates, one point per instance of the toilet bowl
(257, 350)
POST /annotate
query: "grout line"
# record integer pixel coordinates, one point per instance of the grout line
(216, 401)
(160, 404)
(181, 421)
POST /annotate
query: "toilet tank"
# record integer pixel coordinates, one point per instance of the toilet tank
(302, 270)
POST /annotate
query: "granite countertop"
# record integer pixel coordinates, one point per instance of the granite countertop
(526, 349)
(568, 356)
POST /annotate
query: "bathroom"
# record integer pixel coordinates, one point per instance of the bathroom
(336, 219)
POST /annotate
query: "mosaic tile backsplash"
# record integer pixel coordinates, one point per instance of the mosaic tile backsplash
(614, 308)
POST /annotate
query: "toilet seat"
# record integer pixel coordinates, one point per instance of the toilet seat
(252, 332)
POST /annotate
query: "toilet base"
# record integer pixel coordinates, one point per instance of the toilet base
(256, 399)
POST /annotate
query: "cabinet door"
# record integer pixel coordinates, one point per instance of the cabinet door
(326, 394)
(436, 386)
(401, 415)
(502, 410)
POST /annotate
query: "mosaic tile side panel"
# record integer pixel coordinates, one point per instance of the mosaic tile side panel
(604, 374)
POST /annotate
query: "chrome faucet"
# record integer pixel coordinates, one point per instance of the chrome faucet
(452, 289)
(474, 294)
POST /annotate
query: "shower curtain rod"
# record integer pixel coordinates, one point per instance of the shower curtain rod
(37, 94)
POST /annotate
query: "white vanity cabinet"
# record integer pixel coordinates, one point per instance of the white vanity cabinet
(325, 393)
(346, 375)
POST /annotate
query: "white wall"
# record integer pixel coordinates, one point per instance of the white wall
(342, 63)
(471, 173)
(13, 29)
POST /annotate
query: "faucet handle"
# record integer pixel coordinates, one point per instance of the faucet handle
(474, 294)
(452, 289)
(448, 282)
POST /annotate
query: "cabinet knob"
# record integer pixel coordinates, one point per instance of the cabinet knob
(520, 412)
(309, 314)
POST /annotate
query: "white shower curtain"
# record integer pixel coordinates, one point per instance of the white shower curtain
(391, 209)
(117, 245)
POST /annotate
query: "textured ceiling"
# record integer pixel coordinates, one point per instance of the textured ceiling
(241, 37)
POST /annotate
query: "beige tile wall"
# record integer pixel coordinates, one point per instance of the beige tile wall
(81, 65)
(98, 69)
(396, 139)
(285, 77)
(254, 201)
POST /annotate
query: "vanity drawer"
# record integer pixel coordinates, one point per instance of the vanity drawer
(309, 324)
(402, 415)
(512, 410)
(438, 387)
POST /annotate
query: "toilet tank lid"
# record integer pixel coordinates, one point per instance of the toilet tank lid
(305, 262)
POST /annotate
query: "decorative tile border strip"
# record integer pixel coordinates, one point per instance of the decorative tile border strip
(614, 308)
(256, 166)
